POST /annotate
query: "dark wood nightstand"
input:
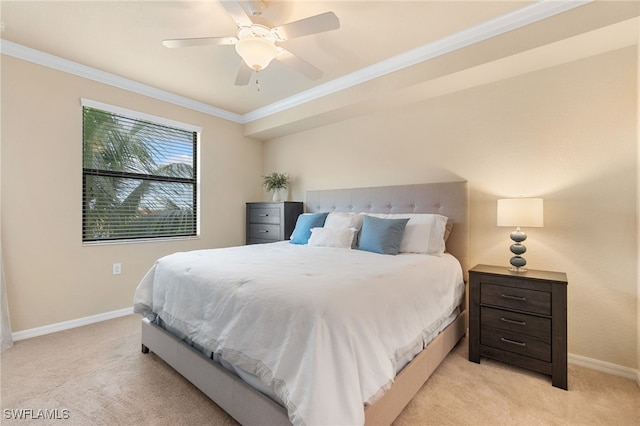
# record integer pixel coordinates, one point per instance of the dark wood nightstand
(519, 318)
(268, 222)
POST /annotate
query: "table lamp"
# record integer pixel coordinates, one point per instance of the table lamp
(525, 212)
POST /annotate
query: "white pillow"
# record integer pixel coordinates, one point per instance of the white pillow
(332, 237)
(424, 232)
(345, 220)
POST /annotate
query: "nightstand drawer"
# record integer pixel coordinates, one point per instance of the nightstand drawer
(263, 232)
(519, 318)
(538, 302)
(516, 343)
(267, 222)
(264, 215)
(533, 326)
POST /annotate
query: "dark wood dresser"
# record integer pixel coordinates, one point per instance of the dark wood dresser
(271, 221)
(519, 318)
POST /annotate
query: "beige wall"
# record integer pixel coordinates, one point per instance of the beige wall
(567, 134)
(638, 199)
(51, 277)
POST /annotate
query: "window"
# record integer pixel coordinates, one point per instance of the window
(139, 176)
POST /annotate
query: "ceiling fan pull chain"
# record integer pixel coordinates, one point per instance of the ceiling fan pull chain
(257, 82)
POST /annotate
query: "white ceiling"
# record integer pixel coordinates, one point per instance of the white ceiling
(123, 38)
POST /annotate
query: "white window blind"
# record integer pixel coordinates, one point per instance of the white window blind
(139, 176)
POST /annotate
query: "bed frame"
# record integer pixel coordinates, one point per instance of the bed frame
(251, 407)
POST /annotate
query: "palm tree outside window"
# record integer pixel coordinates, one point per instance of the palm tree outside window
(139, 178)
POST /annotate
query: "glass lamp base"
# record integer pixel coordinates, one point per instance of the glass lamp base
(517, 263)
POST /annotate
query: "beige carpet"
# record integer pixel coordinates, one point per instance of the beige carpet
(99, 376)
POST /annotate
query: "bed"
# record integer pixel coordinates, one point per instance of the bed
(324, 349)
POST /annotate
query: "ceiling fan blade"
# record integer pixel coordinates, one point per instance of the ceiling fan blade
(299, 64)
(244, 74)
(202, 41)
(237, 13)
(314, 24)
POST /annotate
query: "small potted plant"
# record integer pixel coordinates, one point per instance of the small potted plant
(276, 182)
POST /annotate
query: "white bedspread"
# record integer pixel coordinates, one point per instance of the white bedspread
(322, 327)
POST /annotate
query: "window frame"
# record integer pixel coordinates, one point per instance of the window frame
(161, 121)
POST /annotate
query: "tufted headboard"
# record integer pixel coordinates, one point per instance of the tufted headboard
(447, 198)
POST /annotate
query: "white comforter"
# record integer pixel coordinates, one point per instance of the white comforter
(323, 327)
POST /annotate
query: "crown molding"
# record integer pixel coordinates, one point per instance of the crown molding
(45, 59)
(511, 21)
(519, 18)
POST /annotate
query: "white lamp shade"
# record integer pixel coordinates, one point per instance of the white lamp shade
(256, 52)
(525, 212)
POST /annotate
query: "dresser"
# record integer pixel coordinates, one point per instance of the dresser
(271, 221)
(519, 318)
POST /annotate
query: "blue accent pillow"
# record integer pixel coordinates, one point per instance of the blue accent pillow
(381, 235)
(305, 222)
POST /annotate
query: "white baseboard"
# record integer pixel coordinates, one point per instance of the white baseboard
(66, 325)
(605, 367)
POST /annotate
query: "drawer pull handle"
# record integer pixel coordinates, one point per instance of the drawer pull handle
(518, 298)
(510, 321)
(263, 231)
(263, 215)
(513, 342)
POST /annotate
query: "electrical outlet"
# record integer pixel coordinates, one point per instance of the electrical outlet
(117, 268)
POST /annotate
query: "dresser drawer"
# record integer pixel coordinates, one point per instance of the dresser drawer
(267, 222)
(263, 231)
(538, 302)
(516, 343)
(531, 325)
(264, 215)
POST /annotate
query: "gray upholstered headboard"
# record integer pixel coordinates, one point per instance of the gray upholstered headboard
(447, 198)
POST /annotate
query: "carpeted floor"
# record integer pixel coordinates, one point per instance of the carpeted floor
(96, 375)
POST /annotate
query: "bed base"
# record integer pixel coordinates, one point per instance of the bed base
(251, 407)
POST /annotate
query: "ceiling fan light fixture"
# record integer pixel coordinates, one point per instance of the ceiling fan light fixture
(256, 52)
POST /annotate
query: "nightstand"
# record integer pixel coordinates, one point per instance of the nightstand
(268, 222)
(519, 318)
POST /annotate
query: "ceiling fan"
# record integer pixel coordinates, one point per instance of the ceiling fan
(257, 43)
